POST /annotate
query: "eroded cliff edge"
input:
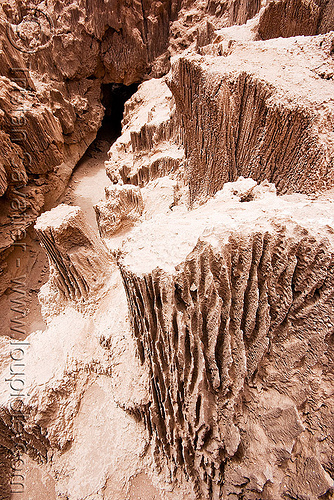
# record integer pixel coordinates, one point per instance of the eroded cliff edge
(51, 98)
(237, 335)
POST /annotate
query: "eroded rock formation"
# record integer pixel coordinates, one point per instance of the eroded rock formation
(227, 377)
(79, 262)
(235, 337)
(150, 145)
(292, 18)
(51, 100)
(248, 113)
(124, 205)
(188, 353)
(93, 44)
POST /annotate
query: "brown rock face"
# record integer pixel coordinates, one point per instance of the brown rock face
(263, 120)
(188, 351)
(234, 338)
(295, 17)
(43, 136)
(235, 12)
(116, 40)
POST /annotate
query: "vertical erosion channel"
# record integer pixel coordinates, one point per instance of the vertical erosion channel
(86, 186)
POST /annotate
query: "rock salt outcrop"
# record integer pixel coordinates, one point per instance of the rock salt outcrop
(93, 44)
(232, 313)
(292, 18)
(223, 376)
(189, 352)
(250, 112)
(70, 370)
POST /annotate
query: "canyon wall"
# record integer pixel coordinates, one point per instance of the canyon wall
(247, 112)
(51, 97)
(188, 351)
(151, 144)
(292, 18)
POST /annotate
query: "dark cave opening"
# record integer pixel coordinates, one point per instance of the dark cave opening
(113, 98)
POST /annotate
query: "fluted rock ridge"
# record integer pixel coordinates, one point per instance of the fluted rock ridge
(247, 112)
(79, 262)
(236, 330)
(285, 18)
(151, 142)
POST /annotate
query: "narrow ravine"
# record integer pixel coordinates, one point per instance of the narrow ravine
(89, 179)
(86, 187)
(87, 183)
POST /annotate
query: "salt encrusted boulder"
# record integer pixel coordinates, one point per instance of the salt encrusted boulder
(261, 110)
(83, 366)
(123, 206)
(232, 308)
(79, 262)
